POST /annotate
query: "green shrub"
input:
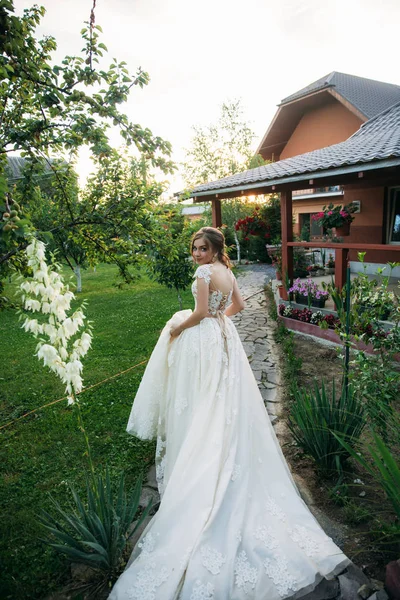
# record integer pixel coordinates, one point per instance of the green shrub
(315, 419)
(96, 535)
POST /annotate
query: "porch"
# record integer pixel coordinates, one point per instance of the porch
(366, 167)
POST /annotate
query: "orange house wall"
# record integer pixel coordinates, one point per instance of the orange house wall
(321, 127)
(368, 225)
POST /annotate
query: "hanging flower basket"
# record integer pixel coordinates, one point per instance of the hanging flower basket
(336, 218)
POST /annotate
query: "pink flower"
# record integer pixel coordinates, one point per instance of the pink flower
(330, 212)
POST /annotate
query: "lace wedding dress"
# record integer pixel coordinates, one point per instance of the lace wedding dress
(231, 524)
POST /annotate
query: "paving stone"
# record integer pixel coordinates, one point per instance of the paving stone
(269, 385)
(148, 494)
(272, 408)
(134, 537)
(271, 395)
(381, 595)
(348, 587)
(325, 590)
(357, 574)
(151, 480)
(365, 591)
(272, 376)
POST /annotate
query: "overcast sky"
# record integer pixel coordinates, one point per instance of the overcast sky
(199, 54)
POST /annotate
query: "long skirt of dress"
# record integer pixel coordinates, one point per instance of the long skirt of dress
(231, 524)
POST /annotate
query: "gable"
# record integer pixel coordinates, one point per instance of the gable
(363, 98)
(321, 127)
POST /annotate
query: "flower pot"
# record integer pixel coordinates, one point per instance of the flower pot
(301, 299)
(281, 291)
(320, 272)
(343, 230)
(329, 270)
(313, 273)
(278, 275)
(318, 302)
(300, 273)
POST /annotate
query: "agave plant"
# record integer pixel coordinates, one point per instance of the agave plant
(315, 418)
(96, 534)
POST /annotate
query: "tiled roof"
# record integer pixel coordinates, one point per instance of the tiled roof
(378, 139)
(370, 97)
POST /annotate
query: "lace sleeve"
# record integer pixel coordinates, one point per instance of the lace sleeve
(204, 272)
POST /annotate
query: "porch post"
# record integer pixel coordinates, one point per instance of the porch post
(287, 236)
(341, 257)
(216, 212)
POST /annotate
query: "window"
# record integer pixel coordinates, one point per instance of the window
(394, 217)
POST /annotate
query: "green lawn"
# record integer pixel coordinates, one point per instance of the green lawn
(42, 452)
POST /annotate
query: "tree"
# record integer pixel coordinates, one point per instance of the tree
(37, 191)
(170, 262)
(58, 109)
(220, 150)
(232, 211)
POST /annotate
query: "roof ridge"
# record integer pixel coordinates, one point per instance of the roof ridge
(366, 78)
(330, 76)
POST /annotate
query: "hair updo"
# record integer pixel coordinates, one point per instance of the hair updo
(215, 240)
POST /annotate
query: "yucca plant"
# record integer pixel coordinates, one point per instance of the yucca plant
(96, 533)
(315, 418)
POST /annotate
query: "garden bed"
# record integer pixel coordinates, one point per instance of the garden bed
(355, 515)
(302, 325)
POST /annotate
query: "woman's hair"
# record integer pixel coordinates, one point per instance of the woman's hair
(214, 240)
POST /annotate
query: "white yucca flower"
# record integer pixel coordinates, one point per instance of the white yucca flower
(47, 294)
(49, 354)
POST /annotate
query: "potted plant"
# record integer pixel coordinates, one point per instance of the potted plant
(372, 299)
(307, 292)
(299, 263)
(330, 265)
(379, 302)
(315, 270)
(312, 270)
(336, 218)
(275, 253)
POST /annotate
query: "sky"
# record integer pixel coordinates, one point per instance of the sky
(200, 54)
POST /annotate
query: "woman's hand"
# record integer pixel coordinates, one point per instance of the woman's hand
(175, 331)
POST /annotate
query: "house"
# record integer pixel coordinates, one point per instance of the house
(335, 140)
(16, 165)
(193, 213)
(322, 114)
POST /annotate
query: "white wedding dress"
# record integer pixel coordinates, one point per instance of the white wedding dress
(231, 524)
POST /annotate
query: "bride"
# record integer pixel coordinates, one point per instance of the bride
(231, 524)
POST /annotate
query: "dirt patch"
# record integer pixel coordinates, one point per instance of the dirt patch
(355, 514)
(320, 362)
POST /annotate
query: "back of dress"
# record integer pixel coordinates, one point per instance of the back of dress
(221, 287)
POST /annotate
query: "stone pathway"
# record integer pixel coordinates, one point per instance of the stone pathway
(256, 333)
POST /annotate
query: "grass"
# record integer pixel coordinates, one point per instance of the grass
(44, 452)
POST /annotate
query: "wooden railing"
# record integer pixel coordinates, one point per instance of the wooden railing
(341, 256)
